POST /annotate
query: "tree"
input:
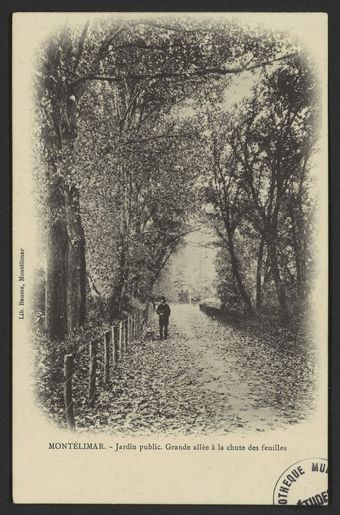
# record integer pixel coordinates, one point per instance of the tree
(260, 172)
(139, 70)
(273, 148)
(227, 196)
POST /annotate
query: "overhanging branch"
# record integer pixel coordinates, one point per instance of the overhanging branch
(179, 75)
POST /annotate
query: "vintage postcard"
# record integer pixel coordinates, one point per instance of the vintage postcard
(170, 249)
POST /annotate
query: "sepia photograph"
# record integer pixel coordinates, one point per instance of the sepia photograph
(172, 277)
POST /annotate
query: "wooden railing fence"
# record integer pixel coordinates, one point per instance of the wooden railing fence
(105, 353)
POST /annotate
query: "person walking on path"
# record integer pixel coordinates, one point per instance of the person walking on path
(163, 311)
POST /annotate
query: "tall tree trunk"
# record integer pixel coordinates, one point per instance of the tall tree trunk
(56, 284)
(259, 293)
(299, 250)
(120, 288)
(236, 271)
(280, 290)
(66, 268)
(76, 265)
(115, 301)
(113, 305)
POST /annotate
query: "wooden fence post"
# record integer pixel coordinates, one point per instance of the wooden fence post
(143, 319)
(113, 340)
(68, 372)
(126, 333)
(114, 347)
(129, 328)
(138, 323)
(106, 356)
(116, 329)
(93, 371)
(120, 339)
(123, 336)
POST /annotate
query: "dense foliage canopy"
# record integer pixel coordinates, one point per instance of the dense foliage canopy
(134, 137)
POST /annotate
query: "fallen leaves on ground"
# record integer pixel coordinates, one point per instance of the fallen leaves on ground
(206, 377)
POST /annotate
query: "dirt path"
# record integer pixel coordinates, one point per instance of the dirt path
(206, 377)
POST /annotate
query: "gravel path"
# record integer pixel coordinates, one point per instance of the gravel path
(207, 377)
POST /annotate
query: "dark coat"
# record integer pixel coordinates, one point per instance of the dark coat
(163, 310)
